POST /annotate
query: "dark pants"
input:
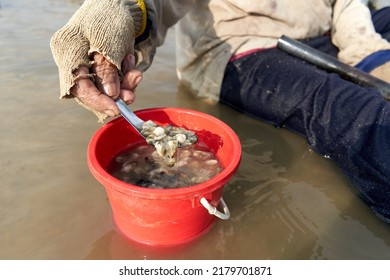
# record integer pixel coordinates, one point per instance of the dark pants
(339, 119)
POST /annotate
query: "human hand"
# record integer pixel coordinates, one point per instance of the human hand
(382, 72)
(107, 27)
(100, 96)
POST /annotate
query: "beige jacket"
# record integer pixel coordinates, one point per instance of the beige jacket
(209, 32)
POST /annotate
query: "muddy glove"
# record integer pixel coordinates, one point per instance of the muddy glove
(108, 27)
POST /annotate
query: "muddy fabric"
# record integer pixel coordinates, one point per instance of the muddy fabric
(213, 30)
(339, 119)
(209, 32)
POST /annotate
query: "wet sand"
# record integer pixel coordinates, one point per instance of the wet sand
(286, 201)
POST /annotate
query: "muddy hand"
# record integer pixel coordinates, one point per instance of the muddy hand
(108, 82)
(131, 79)
(107, 88)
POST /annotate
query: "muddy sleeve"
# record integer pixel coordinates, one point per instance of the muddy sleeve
(353, 32)
(161, 15)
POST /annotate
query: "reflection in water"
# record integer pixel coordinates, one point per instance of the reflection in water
(286, 201)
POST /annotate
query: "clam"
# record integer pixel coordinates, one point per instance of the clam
(166, 139)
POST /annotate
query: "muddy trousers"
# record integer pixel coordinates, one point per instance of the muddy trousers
(341, 120)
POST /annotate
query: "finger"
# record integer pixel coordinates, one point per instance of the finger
(128, 63)
(127, 96)
(107, 79)
(131, 80)
(89, 95)
(132, 77)
(129, 83)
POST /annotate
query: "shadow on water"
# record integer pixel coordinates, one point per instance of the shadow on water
(286, 201)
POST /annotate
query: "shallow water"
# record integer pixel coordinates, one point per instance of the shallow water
(286, 201)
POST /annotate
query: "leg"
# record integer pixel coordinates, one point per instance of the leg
(339, 119)
(381, 20)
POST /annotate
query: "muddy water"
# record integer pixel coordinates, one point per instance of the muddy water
(286, 201)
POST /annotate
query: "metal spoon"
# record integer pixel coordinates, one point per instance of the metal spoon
(132, 118)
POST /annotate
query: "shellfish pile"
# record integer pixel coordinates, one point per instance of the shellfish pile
(166, 139)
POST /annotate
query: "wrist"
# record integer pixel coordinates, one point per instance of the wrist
(143, 21)
(138, 12)
(374, 60)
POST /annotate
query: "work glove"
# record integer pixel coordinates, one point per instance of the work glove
(107, 27)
